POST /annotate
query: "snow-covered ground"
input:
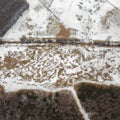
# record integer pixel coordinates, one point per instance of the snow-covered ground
(56, 66)
(52, 66)
(84, 19)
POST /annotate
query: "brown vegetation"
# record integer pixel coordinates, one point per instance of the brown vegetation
(63, 33)
(38, 105)
(100, 101)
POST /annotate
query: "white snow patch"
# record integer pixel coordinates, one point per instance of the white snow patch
(85, 17)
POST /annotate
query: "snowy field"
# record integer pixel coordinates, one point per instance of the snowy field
(57, 66)
(55, 74)
(83, 19)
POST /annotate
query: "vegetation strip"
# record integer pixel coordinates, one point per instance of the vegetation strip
(63, 41)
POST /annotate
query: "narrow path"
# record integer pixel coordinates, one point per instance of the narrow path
(63, 41)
